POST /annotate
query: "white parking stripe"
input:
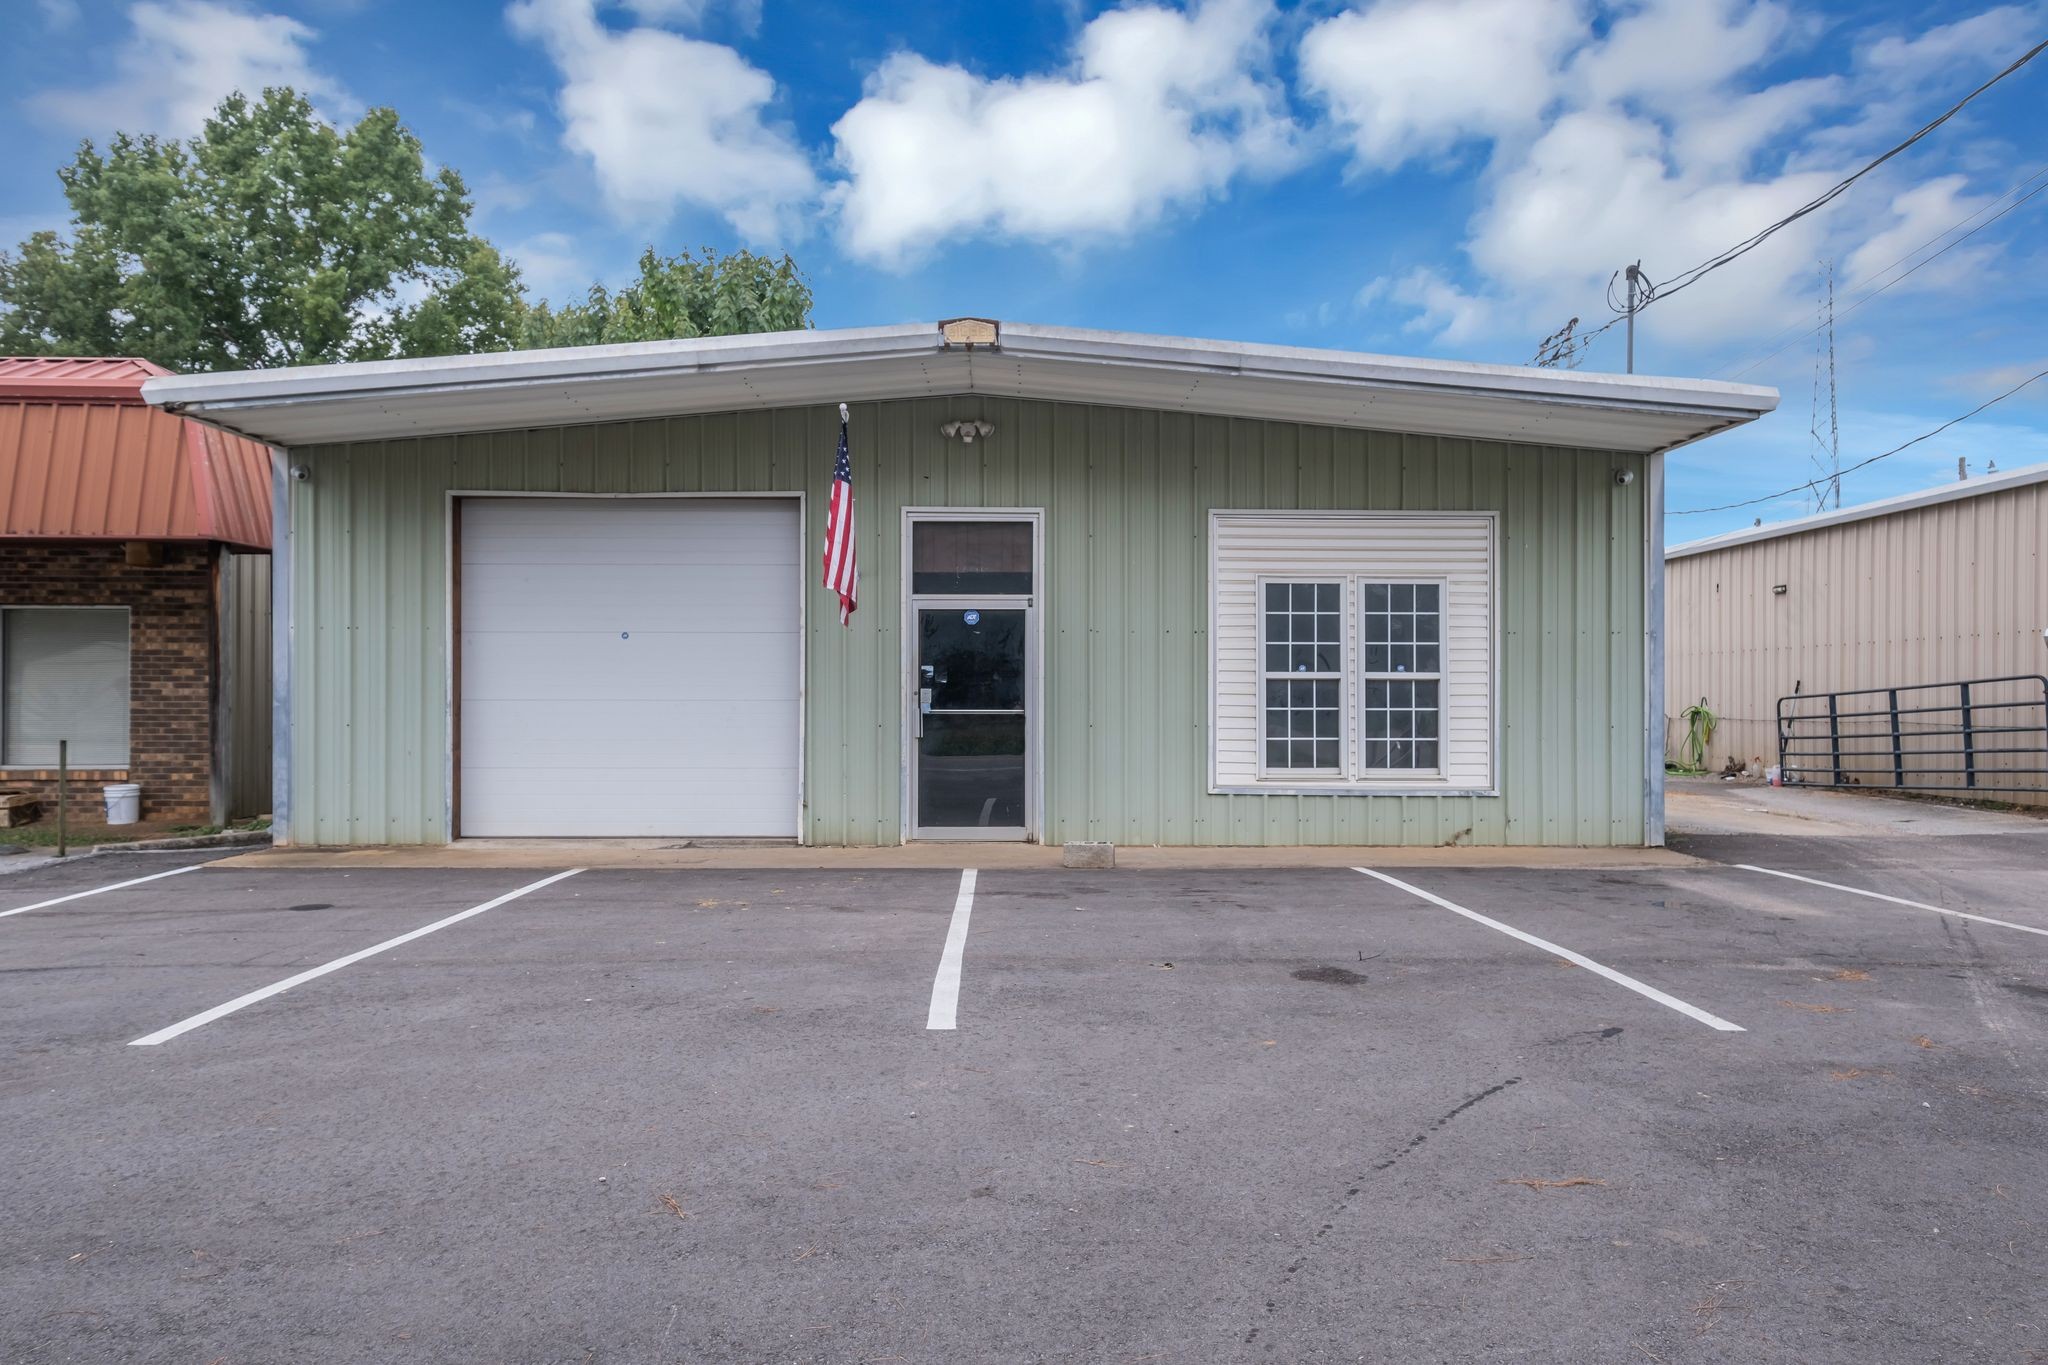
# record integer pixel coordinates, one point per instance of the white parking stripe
(164, 1035)
(1895, 900)
(945, 1008)
(1618, 978)
(114, 886)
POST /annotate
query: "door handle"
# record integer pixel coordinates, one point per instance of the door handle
(924, 708)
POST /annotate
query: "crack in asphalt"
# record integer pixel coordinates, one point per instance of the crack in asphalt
(1358, 1184)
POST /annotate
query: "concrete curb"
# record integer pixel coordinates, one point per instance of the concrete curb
(34, 858)
(949, 856)
(230, 838)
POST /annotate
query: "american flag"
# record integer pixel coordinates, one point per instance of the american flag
(842, 567)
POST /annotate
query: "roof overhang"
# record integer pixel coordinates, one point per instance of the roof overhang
(375, 400)
(1980, 486)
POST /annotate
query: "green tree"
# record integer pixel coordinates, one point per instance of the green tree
(681, 296)
(272, 238)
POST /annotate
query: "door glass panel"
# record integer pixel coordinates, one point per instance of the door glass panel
(972, 660)
(971, 759)
(970, 771)
(970, 558)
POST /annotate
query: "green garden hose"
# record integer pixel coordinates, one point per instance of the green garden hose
(1699, 732)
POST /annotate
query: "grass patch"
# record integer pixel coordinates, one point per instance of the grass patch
(43, 833)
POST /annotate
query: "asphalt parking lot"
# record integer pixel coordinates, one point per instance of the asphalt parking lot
(1702, 1113)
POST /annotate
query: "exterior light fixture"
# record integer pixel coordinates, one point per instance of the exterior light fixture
(965, 432)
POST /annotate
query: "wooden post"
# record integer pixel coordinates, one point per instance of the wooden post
(63, 793)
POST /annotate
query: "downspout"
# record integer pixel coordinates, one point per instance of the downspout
(281, 548)
(1653, 651)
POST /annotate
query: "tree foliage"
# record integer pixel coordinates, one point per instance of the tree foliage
(273, 238)
(684, 295)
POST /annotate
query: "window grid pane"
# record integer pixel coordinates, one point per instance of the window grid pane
(1303, 662)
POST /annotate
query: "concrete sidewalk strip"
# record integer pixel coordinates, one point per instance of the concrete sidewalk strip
(1893, 900)
(667, 854)
(1713, 1021)
(98, 890)
(164, 1035)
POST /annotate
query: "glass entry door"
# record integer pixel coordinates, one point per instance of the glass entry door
(971, 644)
(973, 731)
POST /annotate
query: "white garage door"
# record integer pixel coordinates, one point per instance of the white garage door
(629, 666)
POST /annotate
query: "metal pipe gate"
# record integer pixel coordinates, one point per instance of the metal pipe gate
(1984, 735)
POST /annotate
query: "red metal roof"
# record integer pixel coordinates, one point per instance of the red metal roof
(115, 378)
(82, 457)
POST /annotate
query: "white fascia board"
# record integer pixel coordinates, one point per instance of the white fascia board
(1701, 396)
(1884, 507)
(442, 395)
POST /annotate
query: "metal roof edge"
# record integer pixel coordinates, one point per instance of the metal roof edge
(1904, 502)
(1256, 360)
(1023, 340)
(434, 374)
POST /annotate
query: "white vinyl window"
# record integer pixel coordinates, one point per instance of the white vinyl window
(1353, 652)
(64, 676)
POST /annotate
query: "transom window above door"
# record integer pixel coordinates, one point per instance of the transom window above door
(970, 558)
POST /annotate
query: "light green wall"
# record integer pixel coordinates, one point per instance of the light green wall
(1126, 495)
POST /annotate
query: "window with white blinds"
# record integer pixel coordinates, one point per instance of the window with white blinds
(1353, 651)
(64, 676)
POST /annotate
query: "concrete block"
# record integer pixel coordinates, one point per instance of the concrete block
(1088, 855)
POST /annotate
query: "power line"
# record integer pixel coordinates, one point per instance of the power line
(1873, 292)
(1812, 484)
(1686, 278)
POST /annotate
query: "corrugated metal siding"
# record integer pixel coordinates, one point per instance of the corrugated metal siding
(1943, 593)
(1458, 550)
(245, 682)
(126, 471)
(1127, 495)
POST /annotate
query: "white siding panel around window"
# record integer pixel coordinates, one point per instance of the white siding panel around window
(1456, 549)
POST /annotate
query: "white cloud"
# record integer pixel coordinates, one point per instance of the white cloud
(1600, 189)
(1919, 215)
(1411, 78)
(1440, 307)
(182, 58)
(552, 266)
(1637, 129)
(1670, 53)
(1983, 42)
(668, 121)
(59, 13)
(1159, 108)
(746, 14)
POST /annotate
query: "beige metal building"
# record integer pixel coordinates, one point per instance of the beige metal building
(1945, 586)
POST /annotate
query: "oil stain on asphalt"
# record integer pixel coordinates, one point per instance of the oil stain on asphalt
(1331, 976)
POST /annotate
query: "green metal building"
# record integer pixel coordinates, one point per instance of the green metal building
(1140, 589)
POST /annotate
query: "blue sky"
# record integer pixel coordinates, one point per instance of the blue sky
(1430, 177)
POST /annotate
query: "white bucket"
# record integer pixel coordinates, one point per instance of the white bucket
(124, 803)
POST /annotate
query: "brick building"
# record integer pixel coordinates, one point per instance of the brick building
(134, 595)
